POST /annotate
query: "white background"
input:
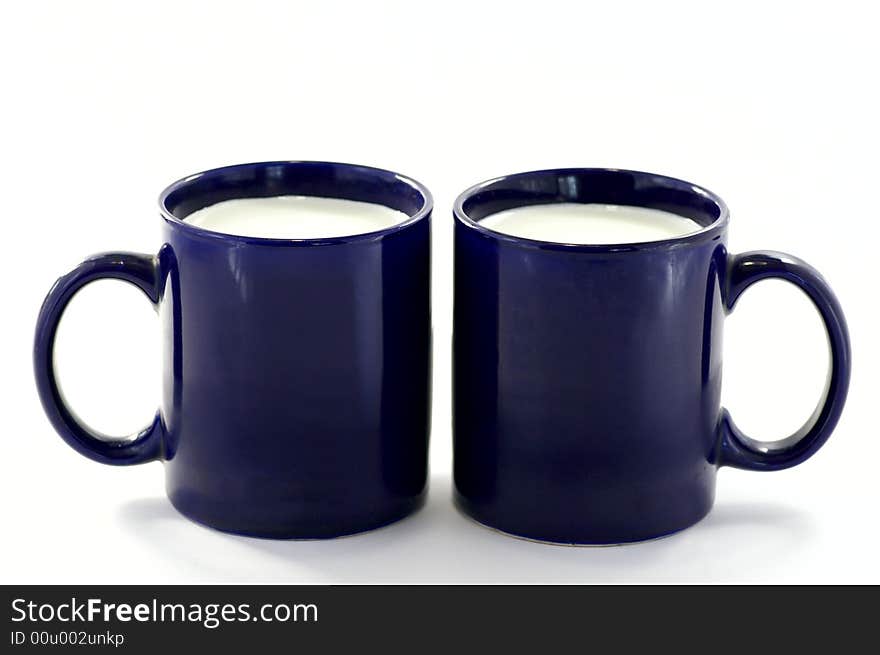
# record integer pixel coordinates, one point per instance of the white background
(773, 105)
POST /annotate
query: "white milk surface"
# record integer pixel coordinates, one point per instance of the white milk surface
(295, 217)
(588, 223)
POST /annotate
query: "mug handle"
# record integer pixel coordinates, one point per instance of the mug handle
(144, 446)
(741, 451)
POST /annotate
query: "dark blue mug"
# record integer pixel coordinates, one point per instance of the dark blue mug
(296, 372)
(587, 378)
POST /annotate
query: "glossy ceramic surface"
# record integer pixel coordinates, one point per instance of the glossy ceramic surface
(296, 374)
(587, 379)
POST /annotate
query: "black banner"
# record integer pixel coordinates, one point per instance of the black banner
(330, 619)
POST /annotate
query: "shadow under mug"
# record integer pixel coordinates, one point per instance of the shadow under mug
(587, 378)
(296, 372)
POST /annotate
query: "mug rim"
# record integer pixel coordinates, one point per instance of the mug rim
(709, 232)
(427, 204)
